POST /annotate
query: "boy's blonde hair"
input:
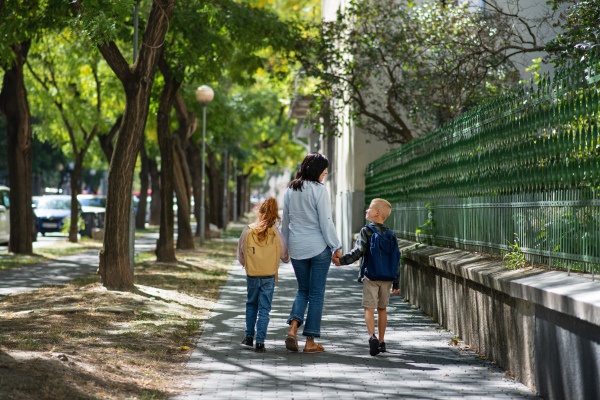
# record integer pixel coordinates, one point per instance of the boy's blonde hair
(384, 206)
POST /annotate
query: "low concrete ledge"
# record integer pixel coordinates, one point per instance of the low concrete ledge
(543, 326)
(576, 295)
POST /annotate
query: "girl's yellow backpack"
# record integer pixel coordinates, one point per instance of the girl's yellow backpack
(261, 258)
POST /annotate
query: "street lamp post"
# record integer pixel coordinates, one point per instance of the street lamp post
(235, 190)
(204, 95)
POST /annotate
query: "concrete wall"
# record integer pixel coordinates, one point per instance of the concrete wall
(542, 326)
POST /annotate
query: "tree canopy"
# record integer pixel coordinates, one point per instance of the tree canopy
(580, 24)
(69, 82)
(403, 69)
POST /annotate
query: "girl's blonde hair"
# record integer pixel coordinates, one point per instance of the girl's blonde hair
(268, 214)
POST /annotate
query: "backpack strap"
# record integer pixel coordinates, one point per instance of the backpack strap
(371, 227)
(367, 247)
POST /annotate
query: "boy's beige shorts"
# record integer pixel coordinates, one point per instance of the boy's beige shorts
(376, 294)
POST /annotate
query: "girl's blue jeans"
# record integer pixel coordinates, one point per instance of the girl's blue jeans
(311, 275)
(258, 306)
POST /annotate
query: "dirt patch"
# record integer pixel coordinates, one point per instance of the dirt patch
(81, 341)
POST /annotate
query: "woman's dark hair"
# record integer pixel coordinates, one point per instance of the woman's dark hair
(310, 170)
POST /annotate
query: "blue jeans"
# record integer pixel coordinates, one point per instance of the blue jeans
(258, 306)
(311, 275)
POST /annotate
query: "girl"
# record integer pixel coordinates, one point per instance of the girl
(260, 248)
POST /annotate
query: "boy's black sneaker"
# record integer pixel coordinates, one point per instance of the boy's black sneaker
(248, 341)
(260, 348)
(373, 346)
(382, 347)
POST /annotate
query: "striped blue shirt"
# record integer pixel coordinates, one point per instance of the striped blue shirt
(307, 226)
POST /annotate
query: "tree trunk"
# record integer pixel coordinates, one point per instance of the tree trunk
(155, 197)
(230, 202)
(195, 163)
(240, 195)
(165, 249)
(187, 126)
(74, 203)
(140, 218)
(185, 236)
(137, 81)
(213, 182)
(247, 192)
(14, 107)
(245, 196)
(225, 191)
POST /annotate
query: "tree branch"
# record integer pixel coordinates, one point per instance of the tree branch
(363, 110)
(154, 34)
(57, 103)
(36, 76)
(406, 133)
(109, 51)
(98, 90)
(265, 144)
(106, 140)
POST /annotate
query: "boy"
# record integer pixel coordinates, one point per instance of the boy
(376, 293)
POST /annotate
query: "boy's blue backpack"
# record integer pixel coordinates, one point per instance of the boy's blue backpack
(381, 262)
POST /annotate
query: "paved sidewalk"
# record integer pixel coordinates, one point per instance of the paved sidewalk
(61, 270)
(419, 364)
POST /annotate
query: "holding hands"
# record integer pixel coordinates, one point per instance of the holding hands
(336, 257)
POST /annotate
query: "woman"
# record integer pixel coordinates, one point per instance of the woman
(310, 235)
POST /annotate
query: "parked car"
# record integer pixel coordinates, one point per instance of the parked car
(53, 211)
(94, 202)
(5, 216)
(35, 200)
(93, 210)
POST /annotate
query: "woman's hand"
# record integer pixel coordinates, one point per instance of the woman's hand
(337, 254)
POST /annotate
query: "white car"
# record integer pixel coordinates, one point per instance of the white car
(5, 216)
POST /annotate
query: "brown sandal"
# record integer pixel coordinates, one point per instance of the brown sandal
(291, 343)
(318, 349)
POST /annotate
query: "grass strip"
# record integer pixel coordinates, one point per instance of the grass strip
(56, 250)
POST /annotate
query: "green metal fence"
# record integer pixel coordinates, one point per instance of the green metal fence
(524, 165)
